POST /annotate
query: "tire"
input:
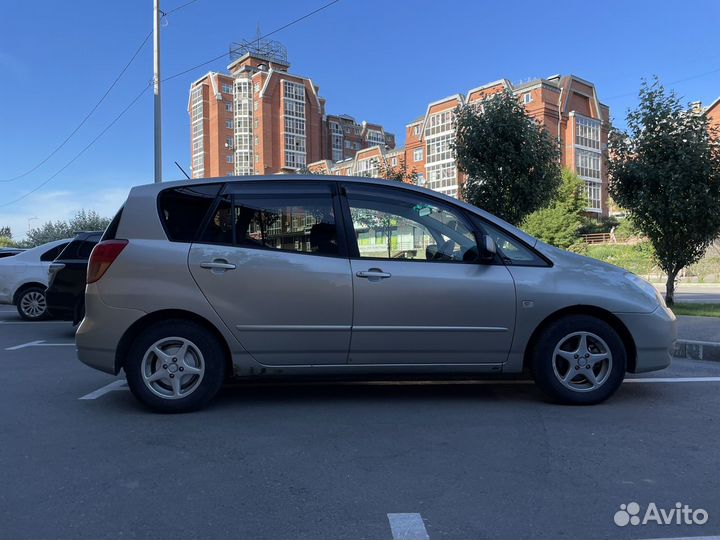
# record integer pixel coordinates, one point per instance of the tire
(167, 380)
(579, 360)
(32, 304)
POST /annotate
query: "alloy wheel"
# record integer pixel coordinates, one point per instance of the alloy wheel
(33, 304)
(172, 368)
(582, 361)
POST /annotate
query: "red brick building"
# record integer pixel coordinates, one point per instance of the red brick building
(261, 119)
(568, 107)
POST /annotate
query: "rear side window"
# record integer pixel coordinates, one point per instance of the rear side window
(111, 231)
(283, 217)
(183, 209)
(52, 254)
(87, 246)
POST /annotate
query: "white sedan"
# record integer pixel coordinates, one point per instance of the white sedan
(24, 278)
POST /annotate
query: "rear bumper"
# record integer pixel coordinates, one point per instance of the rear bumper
(654, 335)
(100, 331)
(61, 305)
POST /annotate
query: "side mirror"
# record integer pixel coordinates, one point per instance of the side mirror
(488, 250)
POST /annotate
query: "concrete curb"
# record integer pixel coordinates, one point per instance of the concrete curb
(697, 350)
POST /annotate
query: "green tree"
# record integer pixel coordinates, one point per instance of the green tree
(399, 173)
(83, 220)
(559, 224)
(665, 170)
(511, 161)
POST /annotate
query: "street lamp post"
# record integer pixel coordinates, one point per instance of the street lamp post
(156, 91)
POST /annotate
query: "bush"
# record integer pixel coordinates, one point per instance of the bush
(559, 224)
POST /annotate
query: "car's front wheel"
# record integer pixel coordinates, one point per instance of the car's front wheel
(32, 304)
(175, 366)
(579, 359)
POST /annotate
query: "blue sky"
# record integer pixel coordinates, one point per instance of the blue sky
(380, 61)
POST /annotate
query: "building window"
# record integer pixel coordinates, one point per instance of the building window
(375, 138)
(347, 130)
(368, 167)
(255, 106)
(348, 145)
(229, 124)
(226, 88)
(229, 159)
(527, 98)
(587, 132)
(418, 154)
(393, 162)
(196, 122)
(257, 87)
(593, 193)
(294, 113)
(256, 123)
(228, 142)
(439, 123)
(587, 163)
(416, 130)
(228, 107)
(243, 123)
(257, 158)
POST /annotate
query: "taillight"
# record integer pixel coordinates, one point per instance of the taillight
(102, 256)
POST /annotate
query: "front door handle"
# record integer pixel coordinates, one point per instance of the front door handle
(373, 273)
(217, 264)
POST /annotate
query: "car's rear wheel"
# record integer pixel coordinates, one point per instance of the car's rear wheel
(32, 304)
(579, 360)
(175, 366)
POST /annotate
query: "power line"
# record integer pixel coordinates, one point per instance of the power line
(186, 4)
(224, 54)
(81, 152)
(685, 79)
(95, 107)
(87, 116)
(122, 113)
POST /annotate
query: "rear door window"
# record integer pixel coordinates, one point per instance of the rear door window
(52, 253)
(280, 216)
(183, 210)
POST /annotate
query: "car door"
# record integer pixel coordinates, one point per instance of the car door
(421, 296)
(272, 262)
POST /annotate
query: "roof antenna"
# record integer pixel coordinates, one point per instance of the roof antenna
(183, 170)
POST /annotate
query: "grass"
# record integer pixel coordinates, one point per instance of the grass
(697, 310)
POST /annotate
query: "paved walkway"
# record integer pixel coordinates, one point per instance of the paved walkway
(702, 293)
(699, 328)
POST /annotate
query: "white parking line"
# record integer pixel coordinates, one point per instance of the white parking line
(688, 538)
(407, 527)
(645, 380)
(33, 322)
(39, 343)
(115, 385)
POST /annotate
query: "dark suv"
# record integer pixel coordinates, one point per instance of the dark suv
(67, 276)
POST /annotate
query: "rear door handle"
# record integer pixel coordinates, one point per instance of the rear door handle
(217, 264)
(373, 273)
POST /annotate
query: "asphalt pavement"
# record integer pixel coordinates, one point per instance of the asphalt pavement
(376, 461)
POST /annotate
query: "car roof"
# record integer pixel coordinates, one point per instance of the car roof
(153, 189)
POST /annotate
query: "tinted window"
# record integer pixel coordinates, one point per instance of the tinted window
(511, 250)
(52, 254)
(71, 250)
(183, 209)
(87, 246)
(111, 230)
(284, 217)
(390, 224)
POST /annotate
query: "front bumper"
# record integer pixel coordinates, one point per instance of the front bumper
(654, 335)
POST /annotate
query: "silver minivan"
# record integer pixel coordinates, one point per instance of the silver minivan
(256, 277)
